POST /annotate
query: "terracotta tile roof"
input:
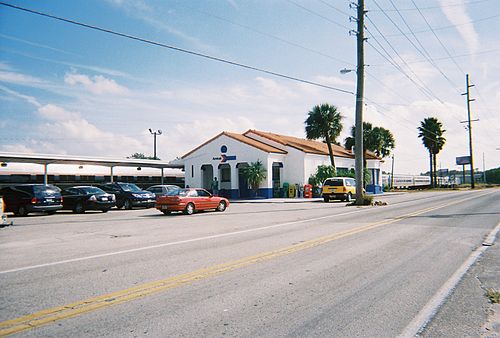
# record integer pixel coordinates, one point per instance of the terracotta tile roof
(241, 138)
(307, 146)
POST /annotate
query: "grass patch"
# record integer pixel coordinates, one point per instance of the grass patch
(493, 295)
(366, 200)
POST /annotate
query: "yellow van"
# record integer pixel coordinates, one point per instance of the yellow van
(340, 188)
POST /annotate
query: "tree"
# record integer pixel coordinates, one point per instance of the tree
(376, 139)
(255, 173)
(324, 122)
(431, 133)
(141, 156)
(322, 173)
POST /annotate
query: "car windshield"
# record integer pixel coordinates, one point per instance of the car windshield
(92, 190)
(334, 182)
(178, 192)
(130, 187)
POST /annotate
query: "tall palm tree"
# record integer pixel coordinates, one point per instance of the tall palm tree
(324, 122)
(376, 139)
(431, 132)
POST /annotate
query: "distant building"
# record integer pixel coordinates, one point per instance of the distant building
(287, 159)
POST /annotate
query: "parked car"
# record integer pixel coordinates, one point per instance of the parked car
(23, 199)
(82, 198)
(128, 195)
(342, 188)
(163, 189)
(189, 201)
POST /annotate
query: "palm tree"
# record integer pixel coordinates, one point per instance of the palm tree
(255, 173)
(381, 142)
(324, 122)
(431, 133)
(376, 139)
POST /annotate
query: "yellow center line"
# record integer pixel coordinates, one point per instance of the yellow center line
(77, 308)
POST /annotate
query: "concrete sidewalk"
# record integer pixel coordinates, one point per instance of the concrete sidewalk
(300, 199)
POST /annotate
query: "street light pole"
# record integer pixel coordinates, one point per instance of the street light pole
(358, 142)
(154, 133)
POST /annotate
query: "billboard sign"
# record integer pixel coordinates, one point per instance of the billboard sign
(462, 160)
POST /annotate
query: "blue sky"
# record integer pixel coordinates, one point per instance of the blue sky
(66, 89)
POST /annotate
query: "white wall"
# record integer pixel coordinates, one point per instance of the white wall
(211, 150)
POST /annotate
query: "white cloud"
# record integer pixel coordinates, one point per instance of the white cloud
(457, 15)
(97, 84)
(19, 79)
(27, 98)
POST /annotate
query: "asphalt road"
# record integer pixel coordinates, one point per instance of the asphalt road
(258, 269)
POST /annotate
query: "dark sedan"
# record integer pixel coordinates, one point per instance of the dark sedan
(82, 198)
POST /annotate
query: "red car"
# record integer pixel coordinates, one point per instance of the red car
(189, 201)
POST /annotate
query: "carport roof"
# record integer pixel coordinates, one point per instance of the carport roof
(102, 161)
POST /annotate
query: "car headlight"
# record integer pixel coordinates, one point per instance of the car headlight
(137, 195)
(93, 198)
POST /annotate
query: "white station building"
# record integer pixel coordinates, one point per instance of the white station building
(287, 159)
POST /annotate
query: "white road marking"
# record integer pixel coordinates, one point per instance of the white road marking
(417, 325)
(174, 243)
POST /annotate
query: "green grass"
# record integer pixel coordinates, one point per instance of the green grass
(493, 295)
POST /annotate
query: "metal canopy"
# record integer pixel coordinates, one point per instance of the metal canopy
(45, 159)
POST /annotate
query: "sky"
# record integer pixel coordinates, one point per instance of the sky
(68, 89)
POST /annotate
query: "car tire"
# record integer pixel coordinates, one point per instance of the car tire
(189, 210)
(166, 212)
(127, 204)
(105, 210)
(326, 199)
(349, 197)
(79, 208)
(222, 206)
(22, 211)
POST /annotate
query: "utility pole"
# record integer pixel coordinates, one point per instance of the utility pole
(358, 142)
(157, 132)
(469, 126)
(392, 172)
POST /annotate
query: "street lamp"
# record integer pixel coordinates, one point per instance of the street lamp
(345, 71)
(154, 133)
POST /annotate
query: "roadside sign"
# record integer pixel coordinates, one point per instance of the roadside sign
(463, 160)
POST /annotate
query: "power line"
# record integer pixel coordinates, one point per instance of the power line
(437, 37)
(159, 44)
(421, 86)
(461, 3)
(413, 44)
(318, 15)
(269, 35)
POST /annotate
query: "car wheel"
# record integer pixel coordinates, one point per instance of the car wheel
(105, 210)
(79, 209)
(166, 212)
(22, 211)
(349, 197)
(189, 210)
(222, 206)
(326, 199)
(127, 204)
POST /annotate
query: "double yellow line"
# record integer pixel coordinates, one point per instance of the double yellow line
(77, 308)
